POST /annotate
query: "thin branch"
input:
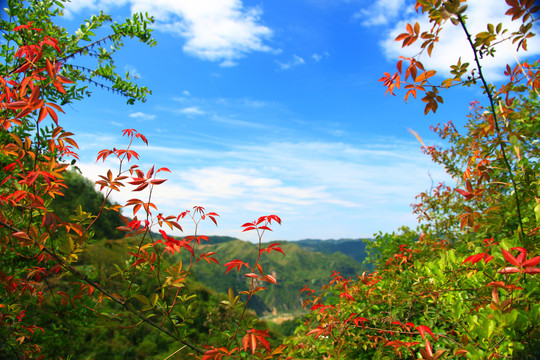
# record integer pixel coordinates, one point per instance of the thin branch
(497, 128)
(105, 292)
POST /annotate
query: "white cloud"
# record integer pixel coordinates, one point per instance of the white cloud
(318, 57)
(320, 189)
(236, 112)
(142, 116)
(228, 63)
(237, 123)
(381, 12)
(296, 60)
(191, 110)
(255, 103)
(453, 43)
(215, 30)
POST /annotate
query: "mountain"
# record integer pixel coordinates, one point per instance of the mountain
(299, 266)
(355, 248)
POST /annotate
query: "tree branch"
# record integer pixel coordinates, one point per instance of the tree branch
(105, 292)
(497, 128)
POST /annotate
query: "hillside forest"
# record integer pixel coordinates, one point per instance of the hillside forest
(82, 277)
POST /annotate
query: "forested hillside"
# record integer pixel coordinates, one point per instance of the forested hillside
(297, 268)
(355, 248)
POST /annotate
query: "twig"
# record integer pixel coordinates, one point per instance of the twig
(497, 128)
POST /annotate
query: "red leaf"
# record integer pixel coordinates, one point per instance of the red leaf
(474, 258)
(273, 247)
(428, 348)
(357, 319)
(157, 181)
(509, 270)
(255, 337)
(235, 263)
(532, 262)
(346, 295)
(510, 258)
(467, 194)
(318, 331)
(274, 218)
(422, 330)
(269, 278)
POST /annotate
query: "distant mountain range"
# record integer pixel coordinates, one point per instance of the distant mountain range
(307, 262)
(354, 248)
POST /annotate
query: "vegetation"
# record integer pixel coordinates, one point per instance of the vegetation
(298, 268)
(80, 191)
(354, 248)
(463, 285)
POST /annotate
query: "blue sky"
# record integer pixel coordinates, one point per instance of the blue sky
(273, 107)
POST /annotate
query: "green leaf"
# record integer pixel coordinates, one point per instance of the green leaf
(154, 299)
(537, 213)
(143, 299)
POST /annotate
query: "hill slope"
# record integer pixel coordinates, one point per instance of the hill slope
(355, 248)
(297, 268)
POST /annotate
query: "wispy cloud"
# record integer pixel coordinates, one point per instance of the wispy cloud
(215, 30)
(255, 103)
(142, 116)
(296, 60)
(307, 183)
(192, 110)
(231, 121)
(318, 57)
(241, 112)
(380, 12)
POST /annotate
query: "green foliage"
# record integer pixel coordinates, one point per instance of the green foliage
(354, 248)
(384, 246)
(42, 14)
(36, 245)
(466, 283)
(80, 191)
(298, 268)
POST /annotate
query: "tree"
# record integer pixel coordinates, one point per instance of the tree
(468, 287)
(36, 243)
(42, 247)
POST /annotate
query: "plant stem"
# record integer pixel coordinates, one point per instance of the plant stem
(497, 128)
